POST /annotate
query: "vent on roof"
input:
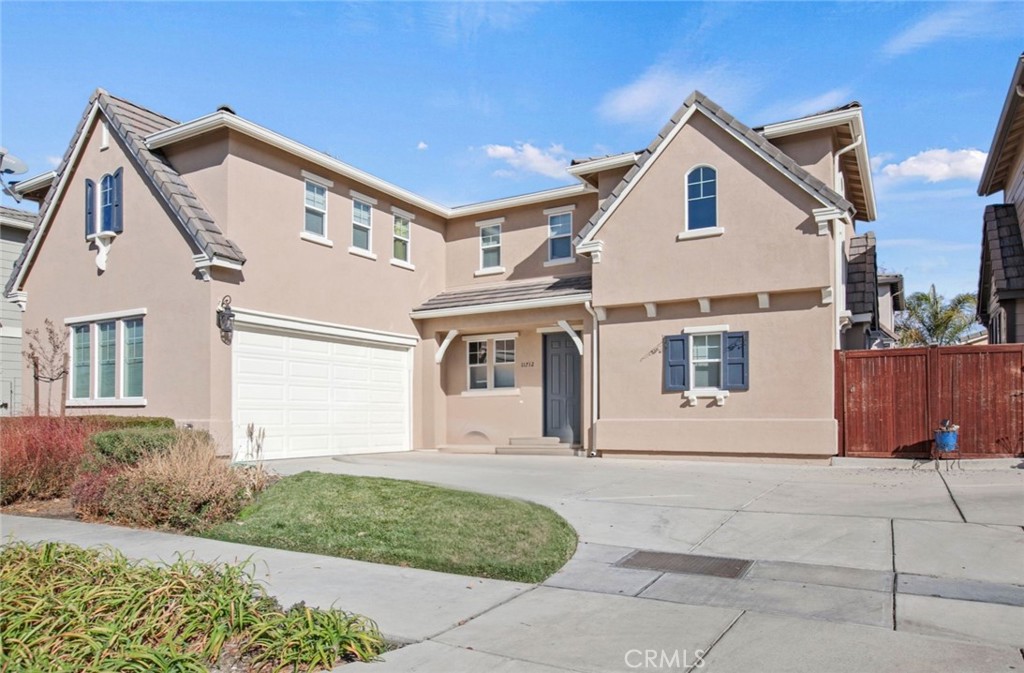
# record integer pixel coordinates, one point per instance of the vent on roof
(226, 108)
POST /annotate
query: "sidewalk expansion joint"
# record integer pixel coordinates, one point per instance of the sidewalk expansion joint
(959, 511)
(895, 577)
(715, 642)
(465, 621)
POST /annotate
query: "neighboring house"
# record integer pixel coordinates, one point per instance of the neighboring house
(890, 300)
(684, 299)
(1001, 276)
(14, 227)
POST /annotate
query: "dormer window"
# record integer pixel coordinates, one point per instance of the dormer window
(107, 200)
(107, 203)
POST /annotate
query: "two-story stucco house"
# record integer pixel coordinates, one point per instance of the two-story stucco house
(14, 227)
(686, 299)
(1001, 276)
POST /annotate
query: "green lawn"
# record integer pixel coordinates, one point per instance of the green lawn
(405, 523)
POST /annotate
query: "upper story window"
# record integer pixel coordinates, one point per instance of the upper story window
(701, 198)
(107, 200)
(316, 209)
(400, 245)
(362, 224)
(559, 236)
(107, 359)
(490, 246)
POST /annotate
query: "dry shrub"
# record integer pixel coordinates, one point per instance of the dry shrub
(89, 491)
(187, 488)
(39, 456)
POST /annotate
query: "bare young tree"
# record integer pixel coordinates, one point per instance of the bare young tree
(48, 358)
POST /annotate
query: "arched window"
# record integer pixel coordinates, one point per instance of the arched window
(701, 198)
(107, 203)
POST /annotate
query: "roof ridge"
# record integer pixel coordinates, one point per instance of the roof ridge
(102, 91)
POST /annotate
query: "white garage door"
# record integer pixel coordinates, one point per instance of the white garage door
(320, 397)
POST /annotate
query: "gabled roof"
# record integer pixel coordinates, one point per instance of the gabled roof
(131, 123)
(862, 276)
(1008, 137)
(19, 219)
(507, 296)
(1002, 256)
(755, 141)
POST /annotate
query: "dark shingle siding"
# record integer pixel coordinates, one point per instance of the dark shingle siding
(862, 275)
(1005, 245)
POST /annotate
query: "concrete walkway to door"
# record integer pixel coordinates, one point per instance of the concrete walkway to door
(846, 570)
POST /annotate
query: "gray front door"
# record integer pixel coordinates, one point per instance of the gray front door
(561, 388)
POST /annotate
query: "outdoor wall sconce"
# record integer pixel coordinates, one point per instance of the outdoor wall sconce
(225, 319)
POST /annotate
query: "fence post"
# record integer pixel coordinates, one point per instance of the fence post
(840, 402)
(932, 378)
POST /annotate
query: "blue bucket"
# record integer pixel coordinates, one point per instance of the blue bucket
(946, 440)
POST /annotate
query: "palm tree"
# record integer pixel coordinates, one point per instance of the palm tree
(930, 320)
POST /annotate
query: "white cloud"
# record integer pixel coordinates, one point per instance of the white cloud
(652, 97)
(939, 165)
(879, 159)
(961, 20)
(525, 157)
(464, 21)
(807, 106)
(421, 145)
(54, 160)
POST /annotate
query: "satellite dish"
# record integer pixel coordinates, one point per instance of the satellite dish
(10, 165)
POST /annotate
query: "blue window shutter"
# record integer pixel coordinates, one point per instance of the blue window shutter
(676, 373)
(90, 208)
(737, 361)
(118, 225)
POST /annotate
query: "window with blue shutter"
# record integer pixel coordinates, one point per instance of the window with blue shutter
(90, 208)
(107, 203)
(118, 219)
(676, 369)
(736, 361)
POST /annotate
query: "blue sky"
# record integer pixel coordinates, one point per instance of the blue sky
(465, 102)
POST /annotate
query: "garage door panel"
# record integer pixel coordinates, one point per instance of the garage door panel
(315, 397)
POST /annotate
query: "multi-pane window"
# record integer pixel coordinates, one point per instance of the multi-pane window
(560, 236)
(487, 372)
(133, 358)
(316, 209)
(81, 361)
(361, 225)
(107, 203)
(106, 358)
(707, 360)
(701, 198)
(401, 239)
(490, 246)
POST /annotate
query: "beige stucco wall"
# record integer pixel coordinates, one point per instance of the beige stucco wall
(770, 241)
(813, 151)
(787, 410)
(149, 267)
(524, 243)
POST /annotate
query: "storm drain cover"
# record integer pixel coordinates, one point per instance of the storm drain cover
(691, 564)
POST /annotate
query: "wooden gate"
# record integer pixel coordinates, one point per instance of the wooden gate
(889, 402)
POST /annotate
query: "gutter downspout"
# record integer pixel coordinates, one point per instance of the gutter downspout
(839, 176)
(594, 378)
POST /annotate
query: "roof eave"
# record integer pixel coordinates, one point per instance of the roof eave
(501, 307)
(35, 183)
(603, 164)
(988, 184)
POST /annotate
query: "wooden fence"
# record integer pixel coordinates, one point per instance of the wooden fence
(889, 402)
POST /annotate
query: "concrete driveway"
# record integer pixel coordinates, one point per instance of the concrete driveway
(840, 570)
(851, 569)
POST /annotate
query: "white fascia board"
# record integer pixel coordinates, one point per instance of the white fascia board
(521, 200)
(61, 186)
(246, 316)
(603, 164)
(233, 122)
(501, 307)
(36, 182)
(16, 223)
(854, 118)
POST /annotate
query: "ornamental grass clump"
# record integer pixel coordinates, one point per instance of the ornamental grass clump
(70, 609)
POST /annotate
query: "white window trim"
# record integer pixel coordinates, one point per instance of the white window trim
(490, 247)
(401, 264)
(92, 322)
(101, 317)
(95, 329)
(705, 329)
(686, 213)
(71, 373)
(559, 210)
(369, 228)
(490, 364)
(305, 206)
(489, 271)
(707, 232)
(556, 261)
(692, 362)
(408, 241)
(313, 238)
(395, 210)
(122, 363)
(491, 392)
(359, 252)
(357, 196)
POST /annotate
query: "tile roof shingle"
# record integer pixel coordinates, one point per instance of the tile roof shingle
(508, 291)
(1004, 245)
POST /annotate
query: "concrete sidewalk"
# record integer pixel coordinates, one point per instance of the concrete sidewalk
(850, 570)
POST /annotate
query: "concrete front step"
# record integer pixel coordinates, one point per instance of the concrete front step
(534, 441)
(537, 450)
